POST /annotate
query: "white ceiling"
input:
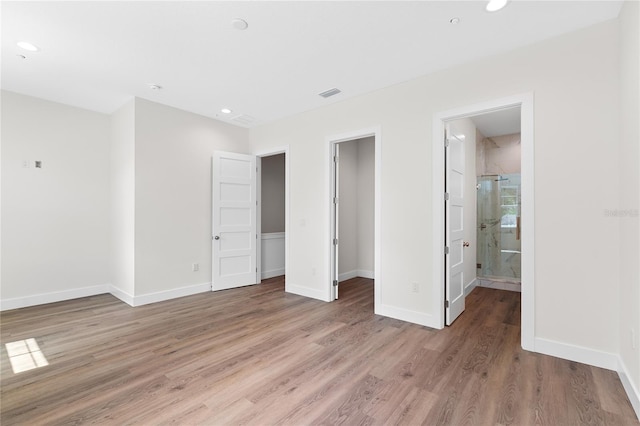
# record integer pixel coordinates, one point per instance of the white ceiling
(97, 55)
(498, 123)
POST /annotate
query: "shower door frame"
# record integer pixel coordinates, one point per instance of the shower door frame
(482, 233)
(525, 102)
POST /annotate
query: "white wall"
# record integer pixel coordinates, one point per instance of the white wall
(357, 196)
(570, 90)
(348, 210)
(366, 206)
(55, 220)
(122, 200)
(466, 127)
(173, 151)
(272, 174)
(629, 201)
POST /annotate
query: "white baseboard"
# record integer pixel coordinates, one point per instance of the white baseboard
(363, 273)
(347, 275)
(577, 353)
(499, 284)
(174, 293)
(407, 315)
(273, 273)
(306, 292)
(56, 296)
(122, 295)
(469, 287)
(355, 273)
(632, 391)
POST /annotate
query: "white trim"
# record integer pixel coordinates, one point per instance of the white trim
(174, 293)
(273, 236)
(356, 273)
(362, 273)
(407, 315)
(308, 292)
(632, 392)
(259, 219)
(577, 353)
(122, 295)
(347, 275)
(499, 284)
(525, 101)
(275, 151)
(52, 297)
(469, 287)
(272, 273)
(376, 132)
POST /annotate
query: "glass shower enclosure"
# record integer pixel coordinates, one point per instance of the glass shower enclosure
(499, 201)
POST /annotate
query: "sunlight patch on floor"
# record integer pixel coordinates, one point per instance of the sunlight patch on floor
(25, 355)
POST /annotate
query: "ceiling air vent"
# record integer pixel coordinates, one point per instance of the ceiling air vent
(245, 120)
(330, 92)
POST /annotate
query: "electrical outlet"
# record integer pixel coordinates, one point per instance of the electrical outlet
(195, 267)
(313, 272)
(633, 339)
(415, 287)
(25, 164)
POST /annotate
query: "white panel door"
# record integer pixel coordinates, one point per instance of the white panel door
(234, 221)
(454, 214)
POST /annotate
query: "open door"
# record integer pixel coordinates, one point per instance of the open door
(234, 224)
(454, 234)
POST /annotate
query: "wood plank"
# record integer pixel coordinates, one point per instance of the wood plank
(259, 356)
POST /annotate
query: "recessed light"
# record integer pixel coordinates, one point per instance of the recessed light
(239, 24)
(454, 21)
(27, 46)
(495, 5)
(226, 111)
(155, 87)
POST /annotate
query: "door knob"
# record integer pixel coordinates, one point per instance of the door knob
(465, 244)
(216, 237)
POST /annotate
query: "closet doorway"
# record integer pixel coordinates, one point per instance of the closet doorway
(272, 222)
(354, 211)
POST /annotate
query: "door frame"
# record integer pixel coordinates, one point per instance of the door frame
(259, 155)
(526, 103)
(330, 223)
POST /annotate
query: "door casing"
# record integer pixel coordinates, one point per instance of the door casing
(526, 103)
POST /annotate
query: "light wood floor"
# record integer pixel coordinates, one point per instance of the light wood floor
(257, 355)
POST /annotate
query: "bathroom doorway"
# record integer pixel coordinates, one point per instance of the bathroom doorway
(499, 199)
(442, 252)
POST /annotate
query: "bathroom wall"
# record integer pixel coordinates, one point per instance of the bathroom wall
(498, 155)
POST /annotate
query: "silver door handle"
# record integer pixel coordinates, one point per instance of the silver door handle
(216, 237)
